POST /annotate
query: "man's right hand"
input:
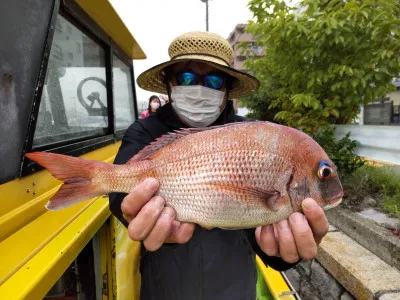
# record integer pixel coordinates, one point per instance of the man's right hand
(150, 220)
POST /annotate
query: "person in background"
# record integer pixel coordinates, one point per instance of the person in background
(154, 105)
(182, 260)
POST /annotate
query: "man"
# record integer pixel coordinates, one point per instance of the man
(182, 260)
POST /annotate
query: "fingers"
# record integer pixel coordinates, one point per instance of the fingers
(297, 237)
(161, 230)
(181, 233)
(287, 244)
(150, 221)
(316, 218)
(266, 239)
(303, 236)
(140, 226)
(140, 195)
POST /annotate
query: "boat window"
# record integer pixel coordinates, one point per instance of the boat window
(123, 95)
(74, 98)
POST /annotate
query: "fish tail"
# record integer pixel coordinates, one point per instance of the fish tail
(78, 175)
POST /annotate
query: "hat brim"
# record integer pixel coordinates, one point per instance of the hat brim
(243, 85)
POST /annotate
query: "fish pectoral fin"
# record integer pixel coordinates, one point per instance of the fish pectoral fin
(270, 198)
(208, 227)
(272, 201)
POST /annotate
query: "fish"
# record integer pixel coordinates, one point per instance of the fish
(238, 175)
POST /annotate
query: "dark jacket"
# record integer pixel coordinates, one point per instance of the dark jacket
(214, 264)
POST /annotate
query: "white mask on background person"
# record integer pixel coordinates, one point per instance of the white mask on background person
(196, 105)
(154, 105)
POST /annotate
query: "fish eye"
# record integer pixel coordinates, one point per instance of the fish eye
(325, 172)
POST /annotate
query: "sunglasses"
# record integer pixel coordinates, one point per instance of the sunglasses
(211, 81)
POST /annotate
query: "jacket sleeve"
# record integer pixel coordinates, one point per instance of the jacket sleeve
(134, 140)
(274, 262)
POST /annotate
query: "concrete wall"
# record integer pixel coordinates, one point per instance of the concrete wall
(375, 141)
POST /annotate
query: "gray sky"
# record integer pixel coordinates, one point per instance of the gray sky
(155, 23)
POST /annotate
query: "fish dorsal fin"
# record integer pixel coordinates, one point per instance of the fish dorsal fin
(169, 138)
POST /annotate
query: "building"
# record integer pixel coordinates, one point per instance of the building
(385, 110)
(236, 37)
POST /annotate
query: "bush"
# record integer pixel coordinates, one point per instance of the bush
(259, 106)
(341, 152)
(380, 183)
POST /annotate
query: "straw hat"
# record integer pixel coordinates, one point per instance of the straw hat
(205, 47)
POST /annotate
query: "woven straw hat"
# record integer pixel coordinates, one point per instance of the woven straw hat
(205, 47)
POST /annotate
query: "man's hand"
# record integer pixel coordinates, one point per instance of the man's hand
(150, 220)
(295, 238)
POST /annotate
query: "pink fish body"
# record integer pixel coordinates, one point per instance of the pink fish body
(239, 175)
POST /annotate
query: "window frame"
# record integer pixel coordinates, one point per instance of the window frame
(119, 133)
(76, 147)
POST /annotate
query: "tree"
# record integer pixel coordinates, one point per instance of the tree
(323, 58)
(259, 105)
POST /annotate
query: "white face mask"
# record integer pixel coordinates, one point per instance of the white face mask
(155, 105)
(196, 105)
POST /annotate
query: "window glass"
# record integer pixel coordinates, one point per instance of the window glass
(74, 98)
(123, 95)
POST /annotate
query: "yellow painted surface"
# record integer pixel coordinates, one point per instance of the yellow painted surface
(23, 199)
(36, 245)
(376, 162)
(33, 278)
(21, 246)
(105, 261)
(275, 282)
(126, 264)
(104, 14)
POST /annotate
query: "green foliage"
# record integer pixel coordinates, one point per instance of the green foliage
(381, 183)
(324, 58)
(259, 106)
(391, 204)
(262, 290)
(342, 152)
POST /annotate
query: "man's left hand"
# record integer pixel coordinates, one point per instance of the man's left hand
(295, 238)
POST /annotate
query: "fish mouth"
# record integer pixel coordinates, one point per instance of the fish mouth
(335, 202)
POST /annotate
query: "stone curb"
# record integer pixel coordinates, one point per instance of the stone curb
(368, 234)
(391, 296)
(360, 271)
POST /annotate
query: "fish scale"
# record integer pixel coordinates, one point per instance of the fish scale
(238, 175)
(198, 176)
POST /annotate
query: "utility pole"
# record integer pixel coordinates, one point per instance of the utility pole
(206, 2)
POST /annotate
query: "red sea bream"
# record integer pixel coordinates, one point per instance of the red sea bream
(239, 175)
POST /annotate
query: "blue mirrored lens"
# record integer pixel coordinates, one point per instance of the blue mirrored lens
(213, 82)
(186, 78)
